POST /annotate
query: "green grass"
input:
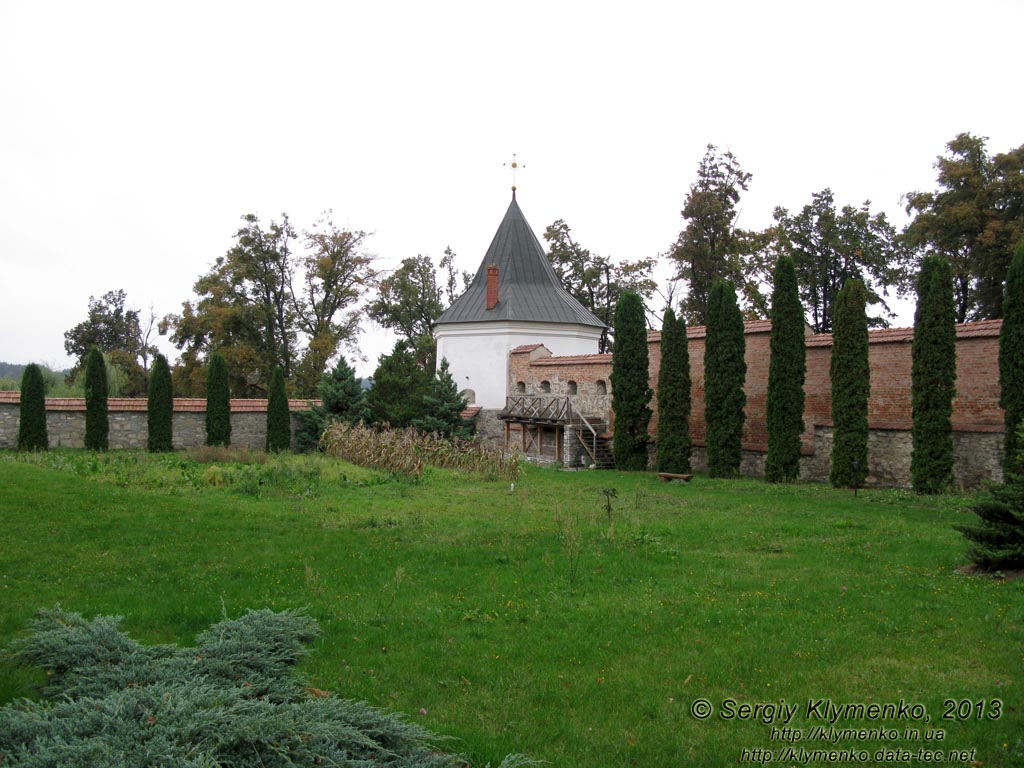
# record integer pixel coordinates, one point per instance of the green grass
(530, 620)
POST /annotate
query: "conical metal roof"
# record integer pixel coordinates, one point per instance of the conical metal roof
(528, 288)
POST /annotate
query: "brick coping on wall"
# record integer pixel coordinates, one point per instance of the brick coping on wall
(181, 404)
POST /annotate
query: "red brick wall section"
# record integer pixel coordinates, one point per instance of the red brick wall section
(976, 407)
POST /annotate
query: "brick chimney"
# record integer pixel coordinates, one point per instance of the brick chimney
(492, 286)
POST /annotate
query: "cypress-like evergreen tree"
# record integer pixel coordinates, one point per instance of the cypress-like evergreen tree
(786, 371)
(1011, 359)
(631, 390)
(851, 385)
(674, 396)
(279, 420)
(725, 371)
(443, 406)
(160, 407)
(97, 422)
(218, 402)
(933, 377)
(32, 434)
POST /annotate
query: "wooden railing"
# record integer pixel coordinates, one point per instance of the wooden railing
(556, 410)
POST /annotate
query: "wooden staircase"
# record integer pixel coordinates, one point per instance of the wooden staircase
(590, 441)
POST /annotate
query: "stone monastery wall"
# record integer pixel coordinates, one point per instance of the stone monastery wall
(65, 421)
(977, 417)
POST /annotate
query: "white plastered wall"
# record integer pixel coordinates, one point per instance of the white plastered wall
(478, 353)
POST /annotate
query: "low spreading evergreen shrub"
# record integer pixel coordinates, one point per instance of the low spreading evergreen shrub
(232, 701)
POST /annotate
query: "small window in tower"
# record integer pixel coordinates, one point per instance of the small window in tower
(545, 387)
(572, 388)
(602, 387)
(521, 387)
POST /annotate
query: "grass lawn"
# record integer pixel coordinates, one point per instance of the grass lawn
(538, 620)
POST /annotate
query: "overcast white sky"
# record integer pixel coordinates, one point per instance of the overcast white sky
(134, 135)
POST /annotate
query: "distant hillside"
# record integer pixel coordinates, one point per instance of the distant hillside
(10, 376)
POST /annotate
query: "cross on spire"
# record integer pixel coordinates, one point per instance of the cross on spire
(514, 165)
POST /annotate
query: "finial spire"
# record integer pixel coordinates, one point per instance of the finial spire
(514, 165)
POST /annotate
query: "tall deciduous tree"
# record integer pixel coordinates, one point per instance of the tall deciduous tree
(974, 219)
(851, 385)
(408, 302)
(828, 247)
(786, 370)
(118, 332)
(279, 420)
(631, 390)
(264, 305)
(399, 386)
(933, 378)
(1011, 360)
(711, 247)
(97, 422)
(160, 407)
(725, 371)
(596, 281)
(674, 442)
(218, 402)
(32, 434)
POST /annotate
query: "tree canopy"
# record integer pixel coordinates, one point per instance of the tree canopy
(263, 305)
(118, 332)
(596, 282)
(408, 302)
(711, 247)
(829, 247)
(974, 219)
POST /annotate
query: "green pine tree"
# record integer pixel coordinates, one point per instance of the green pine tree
(443, 407)
(342, 398)
(786, 370)
(725, 371)
(631, 390)
(1011, 357)
(279, 420)
(399, 386)
(32, 434)
(674, 397)
(933, 377)
(97, 421)
(851, 386)
(218, 402)
(160, 407)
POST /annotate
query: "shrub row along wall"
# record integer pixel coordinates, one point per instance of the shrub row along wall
(977, 417)
(65, 421)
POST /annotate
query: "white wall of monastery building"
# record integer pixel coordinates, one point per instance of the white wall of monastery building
(478, 353)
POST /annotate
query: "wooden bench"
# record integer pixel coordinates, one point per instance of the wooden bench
(667, 476)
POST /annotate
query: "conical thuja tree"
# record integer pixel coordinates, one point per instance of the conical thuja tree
(218, 402)
(631, 391)
(279, 420)
(32, 434)
(851, 385)
(160, 407)
(1011, 358)
(786, 371)
(933, 377)
(97, 422)
(725, 371)
(674, 442)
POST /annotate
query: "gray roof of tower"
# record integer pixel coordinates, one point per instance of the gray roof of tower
(528, 288)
